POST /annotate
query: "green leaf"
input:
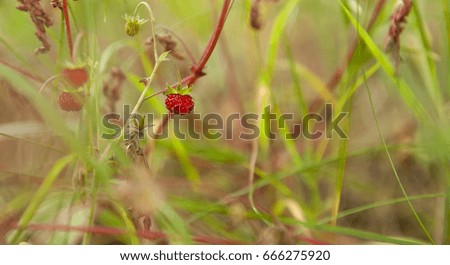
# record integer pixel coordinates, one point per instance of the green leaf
(163, 56)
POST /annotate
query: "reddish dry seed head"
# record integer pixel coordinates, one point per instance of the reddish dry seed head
(70, 101)
(398, 18)
(76, 77)
(179, 104)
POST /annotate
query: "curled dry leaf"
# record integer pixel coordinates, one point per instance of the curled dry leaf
(40, 19)
(255, 16)
(255, 13)
(112, 87)
(169, 44)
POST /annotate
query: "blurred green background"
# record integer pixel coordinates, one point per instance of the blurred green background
(389, 182)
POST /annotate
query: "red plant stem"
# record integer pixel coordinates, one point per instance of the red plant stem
(197, 70)
(68, 31)
(144, 234)
(309, 240)
(337, 76)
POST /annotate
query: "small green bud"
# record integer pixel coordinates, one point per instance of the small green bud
(131, 28)
(133, 24)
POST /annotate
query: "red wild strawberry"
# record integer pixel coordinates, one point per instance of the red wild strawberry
(178, 100)
(70, 101)
(179, 104)
(76, 77)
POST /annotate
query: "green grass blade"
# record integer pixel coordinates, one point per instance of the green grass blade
(366, 235)
(134, 239)
(174, 224)
(275, 39)
(303, 107)
(360, 81)
(397, 177)
(11, 49)
(19, 202)
(31, 142)
(380, 204)
(260, 145)
(357, 233)
(183, 156)
(340, 175)
(446, 56)
(403, 89)
(432, 76)
(316, 83)
(39, 196)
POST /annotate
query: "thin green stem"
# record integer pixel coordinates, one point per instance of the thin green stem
(251, 177)
(149, 80)
(340, 176)
(446, 10)
(152, 22)
(159, 59)
(47, 82)
(156, 93)
(21, 71)
(397, 177)
(91, 218)
(32, 142)
(378, 204)
(340, 71)
(435, 93)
